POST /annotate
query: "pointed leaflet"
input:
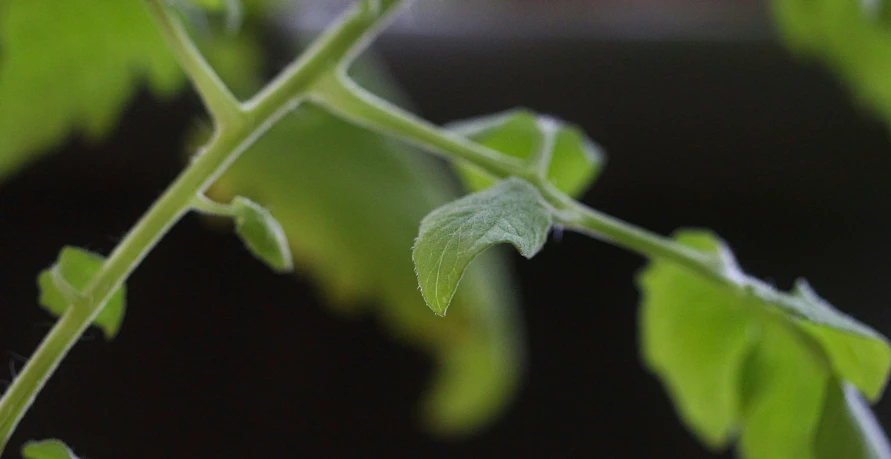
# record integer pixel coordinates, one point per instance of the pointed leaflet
(70, 274)
(350, 202)
(453, 235)
(262, 234)
(47, 449)
(576, 160)
(71, 66)
(746, 358)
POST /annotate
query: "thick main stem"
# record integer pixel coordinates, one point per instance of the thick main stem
(345, 39)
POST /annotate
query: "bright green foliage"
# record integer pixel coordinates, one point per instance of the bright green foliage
(262, 234)
(848, 428)
(350, 202)
(453, 235)
(852, 37)
(47, 449)
(743, 359)
(576, 160)
(71, 66)
(69, 276)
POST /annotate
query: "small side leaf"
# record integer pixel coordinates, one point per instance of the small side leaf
(77, 267)
(452, 236)
(262, 234)
(576, 160)
(848, 429)
(47, 449)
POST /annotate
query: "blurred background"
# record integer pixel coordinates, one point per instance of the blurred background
(707, 122)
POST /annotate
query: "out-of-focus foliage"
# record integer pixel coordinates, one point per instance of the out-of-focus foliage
(512, 211)
(745, 360)
(71, 66)
(69, 276)
(851, 37)
(350, 202)
(47, 449)
(576, 160)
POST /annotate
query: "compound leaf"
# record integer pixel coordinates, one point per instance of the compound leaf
(453, 235)
(262, 234)
(47, 449)
(741, 358)
(71, 273)
(72, 66)
(349, 202)
(576, 160)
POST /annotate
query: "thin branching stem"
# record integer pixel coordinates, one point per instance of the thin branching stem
(241, 128)
(222, 105)
(345, 98)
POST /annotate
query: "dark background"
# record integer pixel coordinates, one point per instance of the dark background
(220, 358)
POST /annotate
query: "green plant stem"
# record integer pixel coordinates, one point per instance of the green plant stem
(222, 105)
(540, 160)
(337, 47)
(345, 98)
(202, 204)
(346, 38)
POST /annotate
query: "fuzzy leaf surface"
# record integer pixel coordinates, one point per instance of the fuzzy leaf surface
(453, 235)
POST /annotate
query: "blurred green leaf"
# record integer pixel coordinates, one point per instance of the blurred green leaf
(350, 202)
(576, 162)
(696, 338)
(848, 428)
(72, 66)
(783, 389)
(748, 360)
(47, 449)
(77, 267)
(453, 235)
(262, 234)
(851, 37)
(214, 5)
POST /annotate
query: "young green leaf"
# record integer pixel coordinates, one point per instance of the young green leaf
(452, 236)
(744, 359)
(262, 234)
(71, 273)
(47, 449)
(848, 428)
(576, 161)
(72, 66)
(350, 202)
